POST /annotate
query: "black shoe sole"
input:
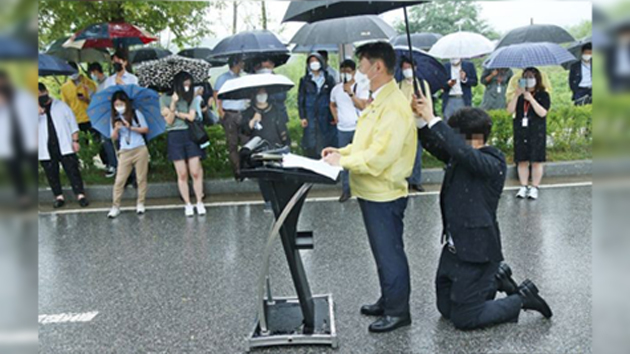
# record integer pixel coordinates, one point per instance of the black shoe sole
(372, 313)
(389, 329)
(530, 290)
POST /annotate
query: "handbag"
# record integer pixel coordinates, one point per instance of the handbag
(197, 132)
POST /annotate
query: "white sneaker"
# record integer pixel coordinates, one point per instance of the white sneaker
(189, 210)
(523, 192)
(140, 209)
(201, 209)
(532, 193)
(113, 212)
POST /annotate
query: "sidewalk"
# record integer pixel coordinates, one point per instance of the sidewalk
(229, 190)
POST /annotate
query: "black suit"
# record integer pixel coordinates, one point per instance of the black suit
(469, 198)
(575, 77)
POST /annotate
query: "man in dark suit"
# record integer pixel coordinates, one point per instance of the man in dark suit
(470, 271)
(457, 91)
(580, 77)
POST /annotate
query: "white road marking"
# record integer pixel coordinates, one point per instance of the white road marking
(316, 199)
(67, 317)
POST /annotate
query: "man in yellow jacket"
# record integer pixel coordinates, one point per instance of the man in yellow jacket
(380, 160)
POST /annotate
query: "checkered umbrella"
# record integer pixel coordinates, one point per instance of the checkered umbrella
(526, 55)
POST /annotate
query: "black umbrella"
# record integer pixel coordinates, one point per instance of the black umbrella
(251, 60)
(312, 11)
(145, 54)
(576, 50)
(202, 53)
(248, 43)
(535, 34)
(343, 31)
(422, 41)
(49, 65)
(307, 49)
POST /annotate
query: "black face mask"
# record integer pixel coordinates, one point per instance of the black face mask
(43, 100)
(118, 67)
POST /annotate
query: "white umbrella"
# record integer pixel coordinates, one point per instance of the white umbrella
(461, 45)
(247, 86)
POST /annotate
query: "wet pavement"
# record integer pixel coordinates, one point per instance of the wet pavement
(163, 283)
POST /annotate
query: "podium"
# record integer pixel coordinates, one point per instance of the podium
(304, 319)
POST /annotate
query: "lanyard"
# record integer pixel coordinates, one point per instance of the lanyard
(526, 105)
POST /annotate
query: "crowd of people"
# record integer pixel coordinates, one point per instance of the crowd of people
(330, 104)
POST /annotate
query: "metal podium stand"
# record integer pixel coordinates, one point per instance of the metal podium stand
(305, 318)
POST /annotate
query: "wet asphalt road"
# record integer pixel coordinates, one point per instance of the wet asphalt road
(162, 283)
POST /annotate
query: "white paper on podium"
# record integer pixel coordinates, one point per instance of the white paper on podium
(317, 166)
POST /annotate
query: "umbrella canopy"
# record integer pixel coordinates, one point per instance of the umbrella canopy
(145, 54)
(247, 43)
(278, 59)
(159, 74)
(144, 100)
(245, 87)
(306, 49)
(525, 55)
(50, 65)
(109, 35)
(312, 11)
(203, 54)
(427, 67)
(536, 34)
(423, 41)
(14, 49)
(343, 30)
(576, 50)
(76, 55)
(461, 45)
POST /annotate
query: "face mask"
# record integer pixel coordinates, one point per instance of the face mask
(455, 62)
(531, 82)
(315, 66)
(408, 73)
(43, 100)
(264, 71)
(120, 109)
(118, 67)
(94, 77)
(587, 57)
(261, 98)
(367, 73)
(186, 88)
(347, 77)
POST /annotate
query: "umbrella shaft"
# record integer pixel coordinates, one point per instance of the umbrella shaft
(415, 83)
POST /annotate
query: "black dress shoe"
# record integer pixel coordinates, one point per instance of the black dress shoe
(389, 323)
(531, 300)
(59, 203)
(83, 202)
(416, 188)
(505, 283)
(344, 198)
(372, 310)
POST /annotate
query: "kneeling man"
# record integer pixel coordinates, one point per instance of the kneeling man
(470, 271)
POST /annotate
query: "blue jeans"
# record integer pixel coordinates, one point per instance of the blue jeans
(344, 139)
(416, 173)
(384, 225)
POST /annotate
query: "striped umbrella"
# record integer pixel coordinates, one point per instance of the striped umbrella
(109, 35)
(526, 55)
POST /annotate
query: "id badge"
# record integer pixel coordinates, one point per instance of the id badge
(525, 122)
(499, 89)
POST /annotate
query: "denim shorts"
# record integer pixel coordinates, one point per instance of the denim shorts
(181, 147)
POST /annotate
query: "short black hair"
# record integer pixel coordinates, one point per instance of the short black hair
(120, 55)
(587, 46)
(42, 87)
(95, 66)
(323, 53)
(234, 60)
(379, 51)
(404, 60)
(471, 121)
(348, 63)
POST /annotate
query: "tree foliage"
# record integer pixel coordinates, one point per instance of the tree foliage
(447, 17)
(187, 20)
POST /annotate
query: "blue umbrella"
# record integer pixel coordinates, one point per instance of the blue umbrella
(427, 67)
(525, 55)
(145, 100)
(50, 65)
(14, 49)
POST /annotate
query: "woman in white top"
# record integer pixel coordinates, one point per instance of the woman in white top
(129, 126)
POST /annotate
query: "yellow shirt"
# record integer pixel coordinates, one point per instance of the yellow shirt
(69, 92)
(383, 150)
(513, 84)
(407, 89)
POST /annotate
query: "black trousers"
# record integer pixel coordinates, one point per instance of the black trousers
(15, 168)
(70, 165)
(466, 291)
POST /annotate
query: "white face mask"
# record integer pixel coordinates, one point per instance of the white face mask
(94, 77)
(186, 88)
(587, 57)
(531, 82)
(264, 71)
(367, 73)
(120, 109)
(408, 73)
(456, 62)
(347, 77)
(315, 66)
(262, 97)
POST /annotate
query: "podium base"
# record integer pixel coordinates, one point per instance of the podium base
(285, 327)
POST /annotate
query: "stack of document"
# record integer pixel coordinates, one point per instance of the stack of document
(317, 166)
